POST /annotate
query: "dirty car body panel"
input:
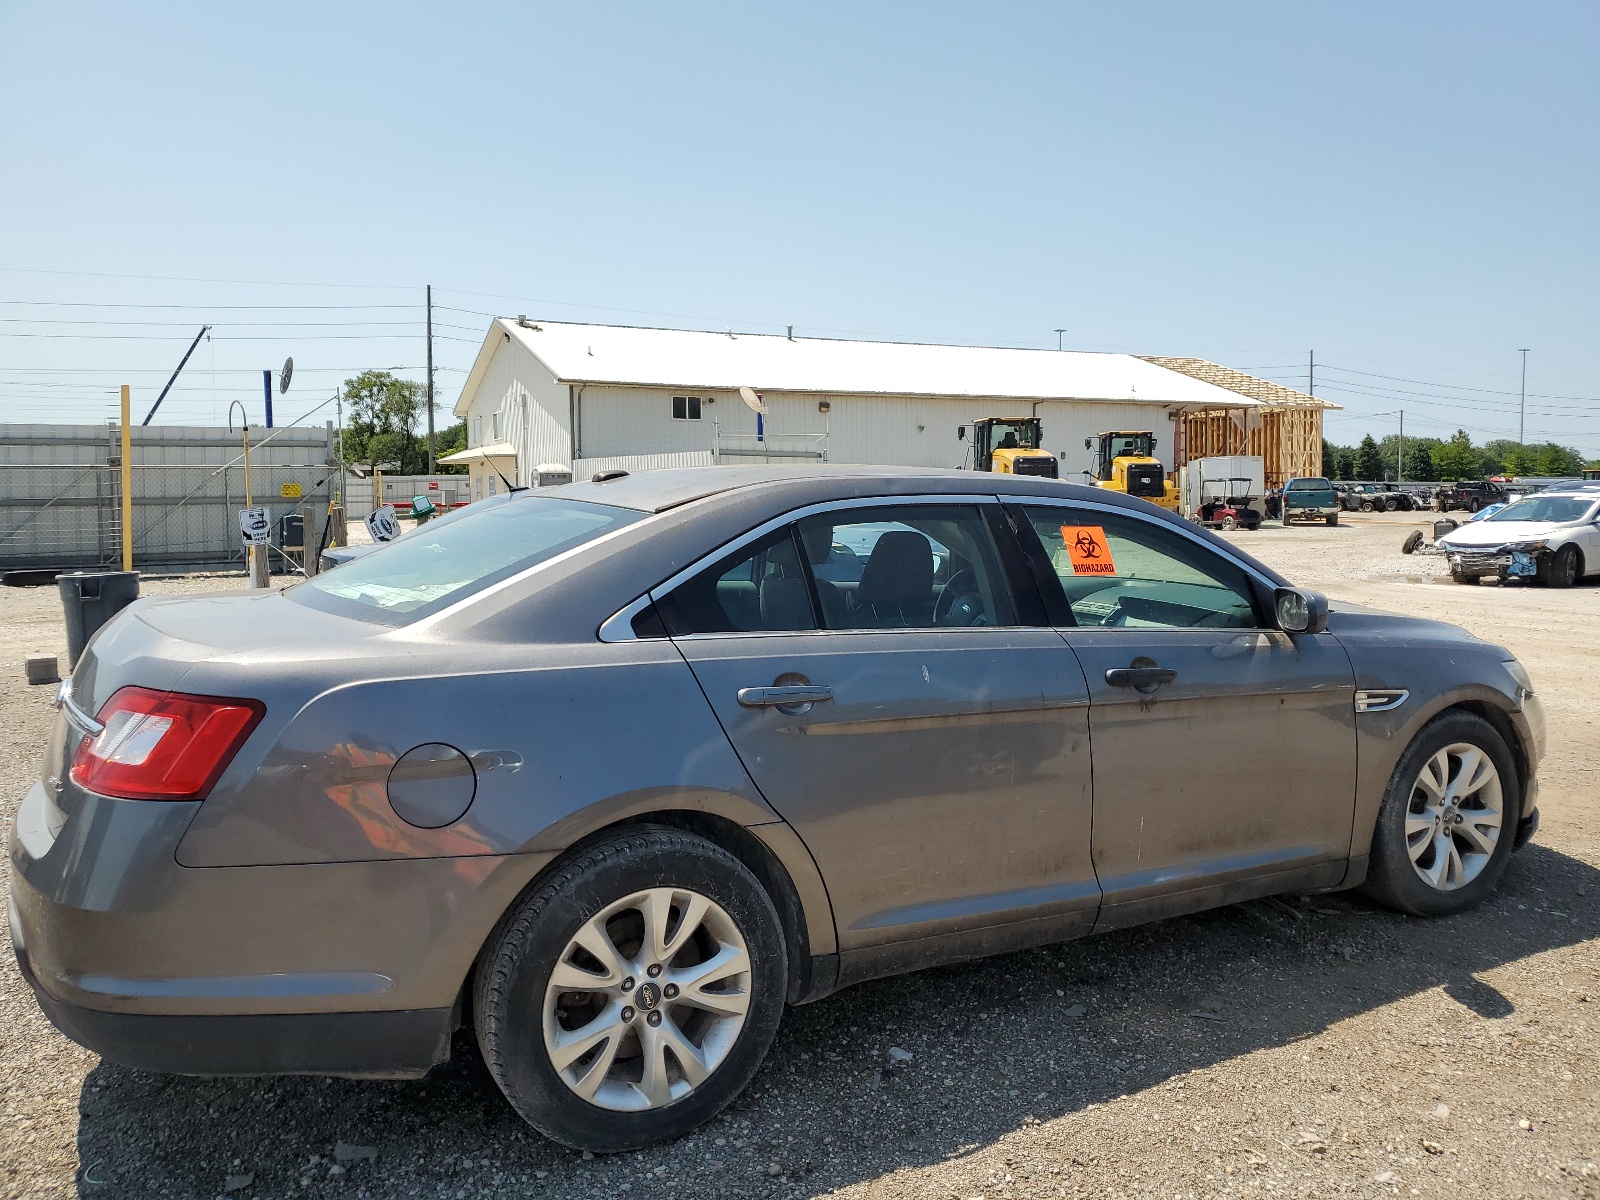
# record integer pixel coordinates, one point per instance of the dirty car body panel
(960, 791)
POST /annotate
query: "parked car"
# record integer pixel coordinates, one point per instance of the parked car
(1551, 537)
(1374, 497)
(1309, 500)
(1470, 494)
(612, 773)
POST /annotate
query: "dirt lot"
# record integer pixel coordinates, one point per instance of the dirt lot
(1314, 1046)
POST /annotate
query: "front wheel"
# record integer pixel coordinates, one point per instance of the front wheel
(634, 993)
(1565, 568)
(1448, 822)
(1229, 522)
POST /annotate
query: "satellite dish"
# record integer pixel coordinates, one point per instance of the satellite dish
(753, 400)
(285, 375)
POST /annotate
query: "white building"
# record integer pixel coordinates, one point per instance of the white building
(604, 397)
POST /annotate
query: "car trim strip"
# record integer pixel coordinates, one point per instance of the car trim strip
(1381, 699)
(63, 701)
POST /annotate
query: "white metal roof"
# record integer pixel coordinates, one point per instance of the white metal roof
(679, 358)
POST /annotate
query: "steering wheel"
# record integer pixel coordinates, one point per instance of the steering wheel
(960, 603)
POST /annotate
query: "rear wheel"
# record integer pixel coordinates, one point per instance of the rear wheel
(1565, 569)
(1228, 522)
(1366, 506)
(1448, 821)
(630, 997)
(1333, 518)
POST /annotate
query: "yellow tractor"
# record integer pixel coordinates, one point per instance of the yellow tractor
(1010, 446)
(1126, 462)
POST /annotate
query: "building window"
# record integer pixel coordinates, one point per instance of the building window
(477, 431)
(496, 423)
(686, 408)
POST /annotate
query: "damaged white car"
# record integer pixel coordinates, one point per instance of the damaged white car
(1551, 537)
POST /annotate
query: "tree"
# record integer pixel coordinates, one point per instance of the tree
(1330, 459)
(447, 441)
(1553, 460)
(1459, 458)
(1419, 466)
(1369, 460)
(382, 425)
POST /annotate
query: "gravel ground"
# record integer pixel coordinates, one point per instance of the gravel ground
(1308, 1046)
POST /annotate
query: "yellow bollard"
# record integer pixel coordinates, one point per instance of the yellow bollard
(127, 482)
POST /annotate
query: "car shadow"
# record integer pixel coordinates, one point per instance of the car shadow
(979, 1050)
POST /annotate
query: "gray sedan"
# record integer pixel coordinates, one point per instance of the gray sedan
(612, 772)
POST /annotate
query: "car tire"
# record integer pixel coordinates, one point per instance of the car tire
(1473, 506)
(1228, 523)
(1565, 568)
(1366, 506)
(1412, 542)
(1417, 815)
(520, 1012)
(1332, 518)
(1462, 577)
(1286, 520)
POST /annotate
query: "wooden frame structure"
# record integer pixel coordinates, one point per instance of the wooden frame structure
(1283, 427)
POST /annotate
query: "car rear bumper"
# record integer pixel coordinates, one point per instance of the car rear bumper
(385, 1045)
(332, 968)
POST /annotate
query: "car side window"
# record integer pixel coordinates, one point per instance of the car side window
(906, 567)
(1123, 572)
(756, 589)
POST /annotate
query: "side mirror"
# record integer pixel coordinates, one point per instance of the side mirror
(961, 433)
(1088, 443)
(1301, 610)
(1154, 442)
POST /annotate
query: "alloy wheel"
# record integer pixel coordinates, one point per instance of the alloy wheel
(647, 999)
(1454, 819)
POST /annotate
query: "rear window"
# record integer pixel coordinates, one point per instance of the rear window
(1310, 485)
(438, 563)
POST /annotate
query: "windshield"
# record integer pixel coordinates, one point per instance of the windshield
(446, 560)
(1558, 510)
(1014, 435)
(1132, 445)
(1311, 485)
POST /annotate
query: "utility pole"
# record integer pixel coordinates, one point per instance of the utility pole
(431, 467)
(1522, 408)
(1059, 332)
(1311, 376)
(1400, 469)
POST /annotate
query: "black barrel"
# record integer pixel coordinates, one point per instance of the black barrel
(90, 599)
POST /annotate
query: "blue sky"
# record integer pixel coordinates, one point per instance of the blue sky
(1409, 190)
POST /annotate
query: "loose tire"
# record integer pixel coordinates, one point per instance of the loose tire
(634, 992)
(1565, 569)
(1412, 542)
(1448, 823)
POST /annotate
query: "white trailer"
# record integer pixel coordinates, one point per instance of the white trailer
(1204, 479)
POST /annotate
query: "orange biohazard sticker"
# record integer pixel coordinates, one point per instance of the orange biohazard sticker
(1087, 550)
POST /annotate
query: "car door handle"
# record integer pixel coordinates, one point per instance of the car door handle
(784, 695)
(1140, 679)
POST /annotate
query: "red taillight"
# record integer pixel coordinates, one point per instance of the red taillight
(162, 745)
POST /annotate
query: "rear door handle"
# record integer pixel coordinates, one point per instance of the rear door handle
(789, 698)
(1140, 679)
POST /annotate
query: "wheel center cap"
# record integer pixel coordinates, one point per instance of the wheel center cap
(648, 995)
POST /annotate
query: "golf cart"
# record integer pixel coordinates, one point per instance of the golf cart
(1225, 504)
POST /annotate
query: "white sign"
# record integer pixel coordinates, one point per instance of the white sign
(255, 525)
(381, 524)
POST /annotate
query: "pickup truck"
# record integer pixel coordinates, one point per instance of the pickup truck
(1310, 500)
(1468, 494)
